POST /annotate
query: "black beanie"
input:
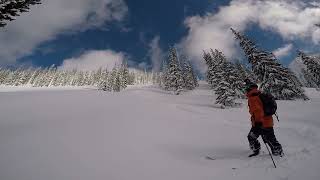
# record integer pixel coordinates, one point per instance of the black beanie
(250, 85)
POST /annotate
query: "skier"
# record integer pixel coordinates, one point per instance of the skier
(261, 125)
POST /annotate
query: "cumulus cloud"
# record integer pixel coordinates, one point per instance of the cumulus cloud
(156, 54)
(283, 51)
(44, 22)
(92, 60)
(291, 19)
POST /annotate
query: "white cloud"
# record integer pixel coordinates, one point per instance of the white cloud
(283, 51)
(291, 19)
(44, 22)
(156, 54)
(92, 60)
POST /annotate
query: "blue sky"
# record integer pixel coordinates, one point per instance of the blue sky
(128, 27)
(145, 20)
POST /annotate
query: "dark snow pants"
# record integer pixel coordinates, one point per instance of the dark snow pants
(267, 136)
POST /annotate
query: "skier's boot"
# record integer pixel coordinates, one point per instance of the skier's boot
(255, 153)
(278, 153)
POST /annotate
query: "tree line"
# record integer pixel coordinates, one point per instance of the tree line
(115, 80)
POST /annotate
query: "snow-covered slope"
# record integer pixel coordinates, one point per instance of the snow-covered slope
(147, 134)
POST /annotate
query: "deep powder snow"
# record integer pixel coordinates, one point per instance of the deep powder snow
(144, 133)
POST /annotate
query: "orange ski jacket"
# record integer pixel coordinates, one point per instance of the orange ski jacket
(256, 109)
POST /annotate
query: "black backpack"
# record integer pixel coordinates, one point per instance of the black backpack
(269, 104)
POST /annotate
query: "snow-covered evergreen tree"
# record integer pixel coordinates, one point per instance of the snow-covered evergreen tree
(124, 75)
(274, 78)
(312, 67)
(116, 81)
(174, 79)
(189, 78)
(87, 78)
(34, 76)
(12, 8)
(164, 83)
(13, 77)
(243, 71)
(224, 77)
(50, 75)
(209, 73)
(56, 81)
(104, 83)
(131, 78)
(24, 77)
(224, 90)
(3, 75)
(227, 79)
(309, 79)
(41, 78)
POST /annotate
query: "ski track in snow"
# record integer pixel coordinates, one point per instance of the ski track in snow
(146, 133)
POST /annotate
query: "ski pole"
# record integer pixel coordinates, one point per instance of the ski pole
(269, 153)
(277, 116)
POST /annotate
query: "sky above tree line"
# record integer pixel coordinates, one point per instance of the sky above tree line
(87, 34)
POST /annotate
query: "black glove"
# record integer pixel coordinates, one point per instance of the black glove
(258, 124)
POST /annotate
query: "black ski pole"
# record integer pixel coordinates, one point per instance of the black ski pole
(269, 153)
(277, 116)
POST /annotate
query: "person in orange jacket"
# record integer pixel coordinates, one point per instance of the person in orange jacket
(261, 124)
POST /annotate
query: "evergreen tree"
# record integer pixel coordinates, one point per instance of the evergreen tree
(4, 73)
(174, 77)
(274, 78)
(34, 76)
(41, 78)
(104, 81)
(309, 79)
(116, 81)
(24, 77)
(243, 71)
(224, 89)
(65, 78)
(13, 77)
(12, 8)
(313, 67)
(97, 76)
(189, 78)
(225, 95)
(87, 78)
(224, 77)
(164, 83)
(209, 73)
(50, 75)
(131, 78)
(57, 79)
(227, 79)
(124, 75)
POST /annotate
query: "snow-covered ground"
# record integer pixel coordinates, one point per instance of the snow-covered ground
(147, 134)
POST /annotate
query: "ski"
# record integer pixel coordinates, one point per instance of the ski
(210, 158)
